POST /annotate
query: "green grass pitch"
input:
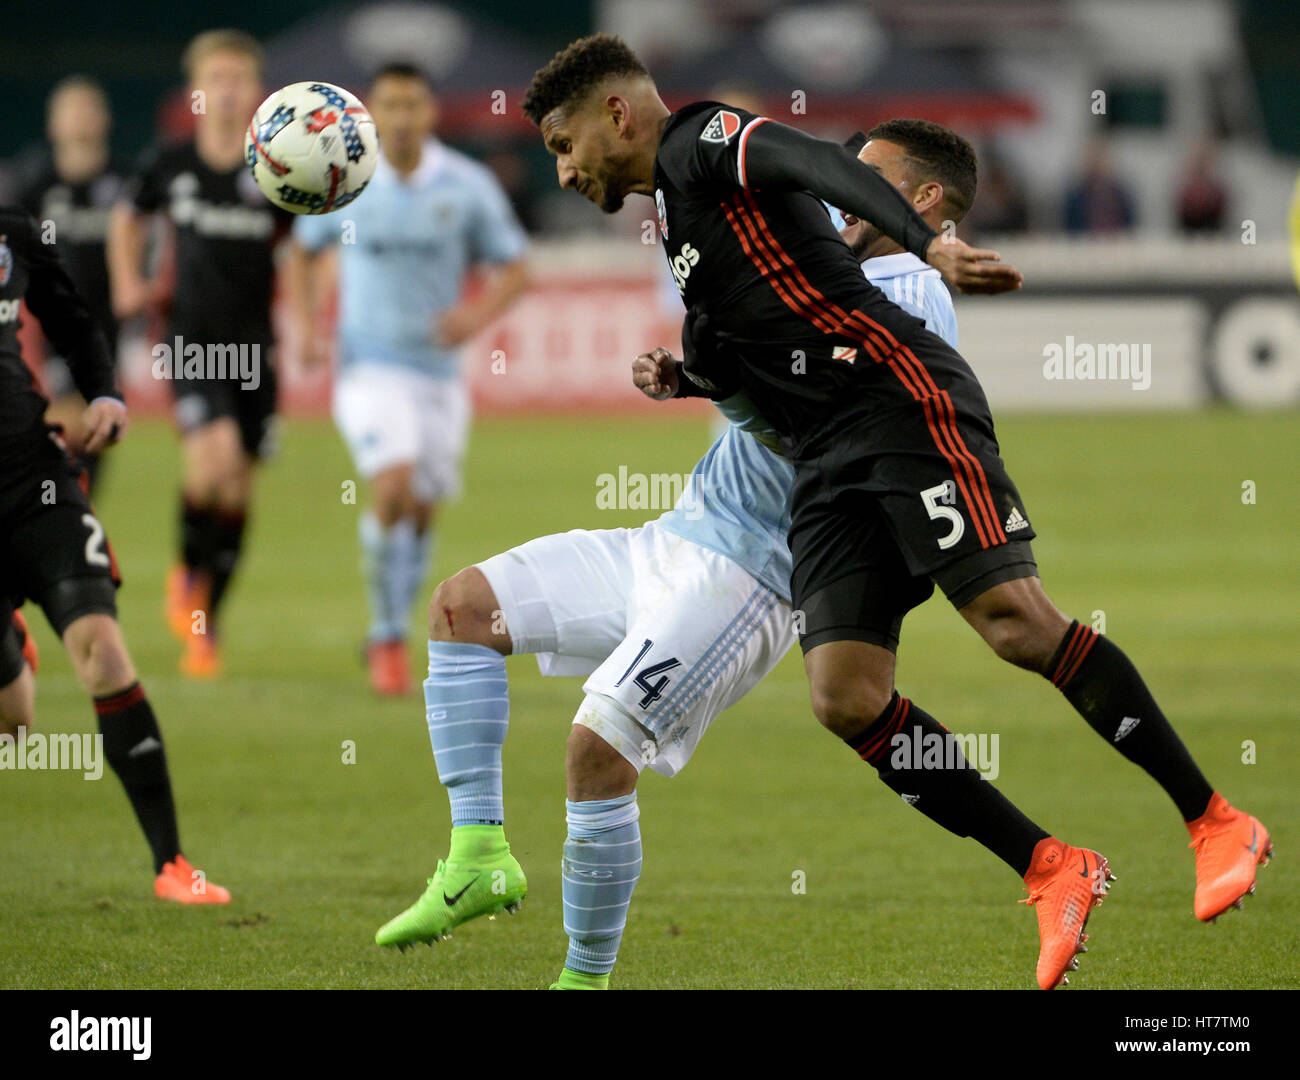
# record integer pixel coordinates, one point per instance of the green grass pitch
(1139, 517)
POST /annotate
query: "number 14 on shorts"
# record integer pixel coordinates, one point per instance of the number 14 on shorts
(654, 690)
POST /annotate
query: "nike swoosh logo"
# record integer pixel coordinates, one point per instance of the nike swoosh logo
(1253, 846)
(449, 900)
(1084, 871)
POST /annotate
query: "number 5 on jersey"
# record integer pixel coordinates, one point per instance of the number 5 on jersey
(938, 504)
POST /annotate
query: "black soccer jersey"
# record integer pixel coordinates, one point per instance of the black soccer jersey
(31, 270)
(225, 233)
(781, 288)
(74, 216)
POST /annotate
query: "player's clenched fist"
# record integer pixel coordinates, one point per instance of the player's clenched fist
(104, 422)
(655, 374)
(971, 270)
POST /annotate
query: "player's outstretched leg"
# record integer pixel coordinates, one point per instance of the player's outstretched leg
(850, 680)
(467, 709)
(1019, 621)
(602, 856)
(134, 749)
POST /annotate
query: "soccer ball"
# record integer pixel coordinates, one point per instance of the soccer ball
(311, 147)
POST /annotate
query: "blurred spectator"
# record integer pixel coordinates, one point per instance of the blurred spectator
(1098, 202)
(1202, 194)
(1000, 205)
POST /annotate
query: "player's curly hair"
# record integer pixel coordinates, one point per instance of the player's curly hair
(574, 70)
(939, 154)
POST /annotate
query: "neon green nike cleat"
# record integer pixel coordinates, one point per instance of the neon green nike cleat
(477, 883)
(580, 980)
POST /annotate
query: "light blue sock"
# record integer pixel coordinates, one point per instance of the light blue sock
(378, 565)
(602, 862)
(467, 708)
(410, 558)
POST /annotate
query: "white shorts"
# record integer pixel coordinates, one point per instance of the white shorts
(389, 416)
(668, 632)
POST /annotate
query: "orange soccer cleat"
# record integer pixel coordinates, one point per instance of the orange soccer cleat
(30, 653)
(179, 881)
(390, 672)
(1229, 845)
(201, 658)
(187, 593)
(1064, 883)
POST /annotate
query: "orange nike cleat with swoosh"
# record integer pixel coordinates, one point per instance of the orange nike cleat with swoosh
(1064, 884)
(1229, 845)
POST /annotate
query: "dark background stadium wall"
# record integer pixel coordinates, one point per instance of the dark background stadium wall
(134, 48)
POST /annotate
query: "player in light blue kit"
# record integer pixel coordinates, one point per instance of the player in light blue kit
(671, 623)
(429, 216)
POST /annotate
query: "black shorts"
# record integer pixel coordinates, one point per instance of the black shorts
(249, 402)
(53, 550)
(916, 494)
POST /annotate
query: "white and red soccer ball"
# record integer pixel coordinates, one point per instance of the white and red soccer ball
(311, 147)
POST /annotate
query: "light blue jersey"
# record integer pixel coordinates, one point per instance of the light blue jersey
(404, 249)
(737, 502)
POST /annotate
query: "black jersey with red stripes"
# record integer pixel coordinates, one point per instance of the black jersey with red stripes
(226, 232)
(31, 270)
(781, 289)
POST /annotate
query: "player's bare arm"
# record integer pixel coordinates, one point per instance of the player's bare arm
(458, 324)
(130, 289)
(308, 277)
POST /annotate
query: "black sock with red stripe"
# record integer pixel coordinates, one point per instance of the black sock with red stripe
(1100, 681)
(899, 744)
(134, 749)
(227, 542)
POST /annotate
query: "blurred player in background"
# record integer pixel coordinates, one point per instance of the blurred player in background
(224, 232)
(430, 215)
(71, 197)
(53, 550)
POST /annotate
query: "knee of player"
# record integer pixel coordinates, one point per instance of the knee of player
(463, 609)
(1018, 640)
(594, 767)
(846, 708)
(99, 654)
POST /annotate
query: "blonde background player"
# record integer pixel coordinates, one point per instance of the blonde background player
(224, 232)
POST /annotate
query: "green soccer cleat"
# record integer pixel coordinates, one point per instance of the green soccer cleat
(580, 980)
(480, 884)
